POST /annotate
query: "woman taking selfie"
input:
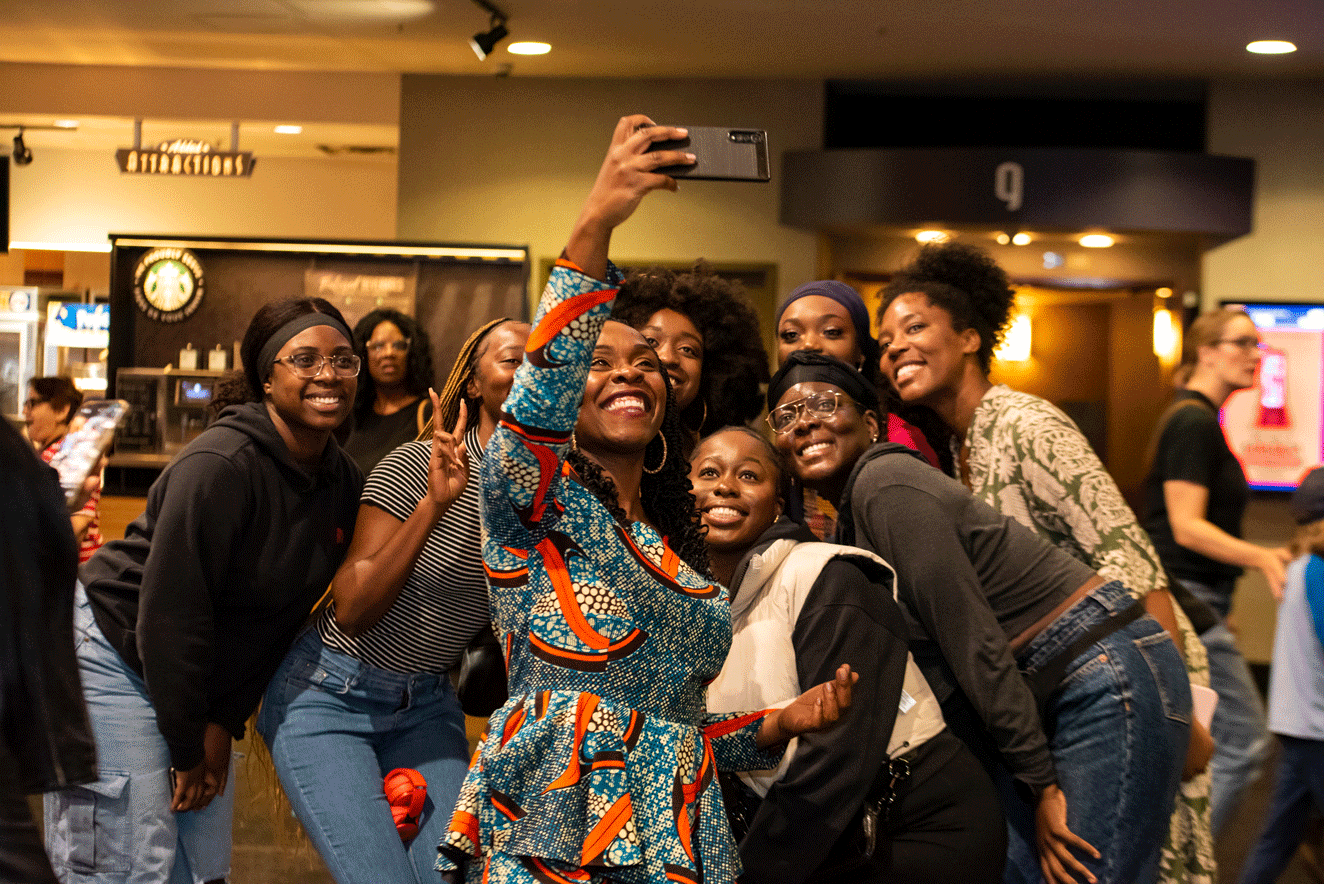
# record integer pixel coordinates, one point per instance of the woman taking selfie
(601, 765)
(887, 795)
(50, 406)
(988, 601)
(181, 624)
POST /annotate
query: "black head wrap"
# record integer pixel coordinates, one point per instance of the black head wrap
(805, 365)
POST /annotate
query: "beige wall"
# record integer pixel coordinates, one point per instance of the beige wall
(76, 194)
(510, 160)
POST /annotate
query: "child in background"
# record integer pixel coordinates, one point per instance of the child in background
(1296, 691)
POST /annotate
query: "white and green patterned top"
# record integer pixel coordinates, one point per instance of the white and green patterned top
(1028, 460)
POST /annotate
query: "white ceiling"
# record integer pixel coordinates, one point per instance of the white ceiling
(913, 40)
(681, 38)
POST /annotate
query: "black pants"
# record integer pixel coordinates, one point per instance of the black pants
(947, 825)
(22, 858)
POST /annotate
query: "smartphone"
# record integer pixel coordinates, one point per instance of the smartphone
(721, 154)
(91, 431)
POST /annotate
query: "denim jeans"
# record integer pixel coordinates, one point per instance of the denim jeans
(120, 829)
(1239, 728)
(1299, 789)
(336, 726)
(1117, 726)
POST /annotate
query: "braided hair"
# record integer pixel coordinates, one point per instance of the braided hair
(457, 382)
(665, 494)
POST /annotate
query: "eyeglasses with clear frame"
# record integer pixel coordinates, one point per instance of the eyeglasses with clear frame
(400, 346)
(1246, 342)
(309, 365)
(823, 405)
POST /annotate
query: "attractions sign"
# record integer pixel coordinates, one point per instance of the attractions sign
(185, 158)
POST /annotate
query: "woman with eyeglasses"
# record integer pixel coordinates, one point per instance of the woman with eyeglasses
(1195, 496)
(1080, 693)
(366, 690)
(180, 625)
(392, 405)
(50, 406)
(942, 316)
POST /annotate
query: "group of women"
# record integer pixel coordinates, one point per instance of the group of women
(867, 698)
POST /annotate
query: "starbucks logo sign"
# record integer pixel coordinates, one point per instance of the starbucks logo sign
(168, 284)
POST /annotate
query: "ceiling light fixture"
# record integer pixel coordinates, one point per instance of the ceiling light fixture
(22, 154)
(483, 43)
(1270, 47)
(529, 47)
(927, 236)
(288, 129)
(1002, 238)
(1096, 241)
(1021, 239)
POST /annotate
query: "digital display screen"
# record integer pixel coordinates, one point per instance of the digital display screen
(194, 391)
(1276, 427)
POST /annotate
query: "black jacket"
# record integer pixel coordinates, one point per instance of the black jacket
(209, 586)
(45, 726)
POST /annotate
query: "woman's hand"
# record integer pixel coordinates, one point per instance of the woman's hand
(1056, 841)
(1198, 751)
(1273, 565)
(627, 174)
(816, 709)
(196, 787)
(448, 466)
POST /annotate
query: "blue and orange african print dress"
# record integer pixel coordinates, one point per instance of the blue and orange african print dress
(602, 765)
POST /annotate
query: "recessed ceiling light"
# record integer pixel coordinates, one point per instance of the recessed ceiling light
(1002, 238)
(66, 124)
(1021, 239)
(530, 47)
(1096, 240)
(288, 130)
(932, 236)
(1270, 47)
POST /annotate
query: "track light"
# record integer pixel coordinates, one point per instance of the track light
(22, 154)
(484, 43)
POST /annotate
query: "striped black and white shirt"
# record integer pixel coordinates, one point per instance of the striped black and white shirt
(443, 603)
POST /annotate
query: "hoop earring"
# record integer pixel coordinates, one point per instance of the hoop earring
(703, 420)
(663, 462)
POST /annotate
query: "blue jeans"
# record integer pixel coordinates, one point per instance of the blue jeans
(1239, 728)
(1300, 787)
(120, 829)
(1117, 726)
(336, 726)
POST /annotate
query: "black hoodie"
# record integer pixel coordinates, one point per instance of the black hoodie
(208, 588)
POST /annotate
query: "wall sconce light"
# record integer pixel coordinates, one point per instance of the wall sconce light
(1015, 346)
(1167, 338)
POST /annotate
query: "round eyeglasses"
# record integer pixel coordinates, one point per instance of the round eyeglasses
(309, 365)
(784, 417)
(1247, 342)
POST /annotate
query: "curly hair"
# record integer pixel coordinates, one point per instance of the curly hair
(965, 281)
(734, 361)
(665, 493)
(244, 384)
(419, 374)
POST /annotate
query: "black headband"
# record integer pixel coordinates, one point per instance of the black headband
(267, 355)
(806, 366)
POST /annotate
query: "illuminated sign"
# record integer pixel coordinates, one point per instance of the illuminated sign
(185, 157)
(77, 325)
(168, 284)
